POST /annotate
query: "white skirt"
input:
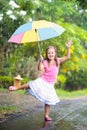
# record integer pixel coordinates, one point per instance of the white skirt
(43, 91)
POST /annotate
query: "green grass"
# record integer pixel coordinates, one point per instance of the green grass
(7, 109)
(72, 94)
(3, 89)
(18, 91)
(62, 94)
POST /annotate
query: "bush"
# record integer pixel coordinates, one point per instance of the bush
(60, 83)
(6, 81)
(77, 80)
(27, 67)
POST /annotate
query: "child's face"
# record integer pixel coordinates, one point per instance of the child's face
(51, 54)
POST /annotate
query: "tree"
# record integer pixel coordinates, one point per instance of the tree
(12, 15)
(65, 13)
(83, 3)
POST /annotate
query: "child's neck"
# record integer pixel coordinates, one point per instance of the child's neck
(51, 61)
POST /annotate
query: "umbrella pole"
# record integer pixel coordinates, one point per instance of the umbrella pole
(38, 41)
(40, 52)
(39, 48)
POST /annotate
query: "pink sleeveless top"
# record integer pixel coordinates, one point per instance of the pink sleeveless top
(50, 72)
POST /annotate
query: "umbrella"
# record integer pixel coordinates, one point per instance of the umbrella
(36, 31)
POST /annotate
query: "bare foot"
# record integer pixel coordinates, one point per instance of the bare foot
(12, 88)
(48, 119)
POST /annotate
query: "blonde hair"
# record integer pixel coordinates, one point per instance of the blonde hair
(55, 54)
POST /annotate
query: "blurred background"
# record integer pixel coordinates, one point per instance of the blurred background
(22, 58)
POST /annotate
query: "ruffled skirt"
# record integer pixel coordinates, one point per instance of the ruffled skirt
(43, 91)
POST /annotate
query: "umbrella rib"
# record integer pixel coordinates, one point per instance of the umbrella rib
(22, 37)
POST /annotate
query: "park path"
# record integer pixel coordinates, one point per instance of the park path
(72, 114)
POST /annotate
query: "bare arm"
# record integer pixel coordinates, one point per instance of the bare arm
(40, 64)
(62, 59)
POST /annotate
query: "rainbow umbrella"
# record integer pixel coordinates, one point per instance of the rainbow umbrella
(36, 31)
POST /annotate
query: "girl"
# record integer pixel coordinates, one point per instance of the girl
(43, 87)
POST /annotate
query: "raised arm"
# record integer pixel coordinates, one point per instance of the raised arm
(62, 59)
(40, 64)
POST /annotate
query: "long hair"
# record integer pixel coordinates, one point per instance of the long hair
(55, 54)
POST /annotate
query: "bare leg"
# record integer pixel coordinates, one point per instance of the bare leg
(24, 86)
(47, 110)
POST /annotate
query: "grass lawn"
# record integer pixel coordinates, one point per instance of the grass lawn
(18, 91)
(72, 94)
(62, 94)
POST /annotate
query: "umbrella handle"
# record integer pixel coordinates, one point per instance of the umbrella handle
(40, 52)
(42, 58)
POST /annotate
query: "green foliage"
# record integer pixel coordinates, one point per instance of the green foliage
(65, 11)
(77, 80)
(7, 109)
(6, 81)
(27, 67)
(21, 59)
(83, 3)
(61, 80)
(63, 94)
(27, 6)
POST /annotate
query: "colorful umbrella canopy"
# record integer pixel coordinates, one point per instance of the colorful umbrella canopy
(36, 31)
